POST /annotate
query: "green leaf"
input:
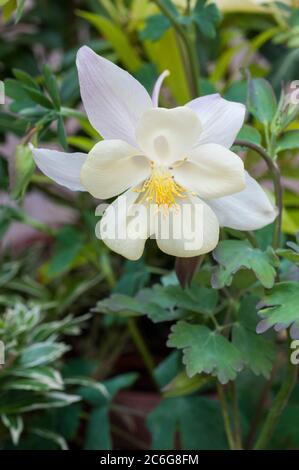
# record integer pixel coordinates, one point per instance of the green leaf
(84, 144)
(39, 354)
(50, 436)
(68, 244)
(116, 37)
(168, 368)
(8, 9)
(280, 305)
(24, 169)
(237, 91)
(162, 303)
(15, 425)
(38, 97)
(232, 255)
(261, 100)
(205, 351)
(69, 420)
(16, 401)
(121, 304)
(289, 141)
(98, 430)
(165, 55)
(286, 433)
(183, 385)
(291, 254)
(207, 17)
(61, 133)
(52, 87)
(155, 27)
(20, 10)
(135, 275)
(95, 396)
(198, 421)
(25, 78)
(28, 384)
(250, 133)
(257, 352)
(44, 375)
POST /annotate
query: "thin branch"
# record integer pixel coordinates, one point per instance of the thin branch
(277, 407)
(190, 49)
(275, 173)
(226, 417)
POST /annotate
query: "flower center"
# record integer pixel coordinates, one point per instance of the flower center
(160, 188)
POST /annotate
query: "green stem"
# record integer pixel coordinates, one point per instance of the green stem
(252, 239)
(277, 407)
(225, 415)
(132, 323)
(259, 410)
(36, 224)
(142, 349)
(275, 173)
(236, 414)
(189, 45)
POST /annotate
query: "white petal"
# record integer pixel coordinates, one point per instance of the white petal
(248, 210)
(189, 230)
(211, 171)
(113, 166)
(166, 135)
(63, 168)
(157, 87)
(221, 119)
(122, 229)
(114, 100)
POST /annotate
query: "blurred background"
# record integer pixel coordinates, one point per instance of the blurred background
(86, 362)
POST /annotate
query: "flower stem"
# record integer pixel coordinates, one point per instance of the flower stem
(132, 325)
(225, 415)
(236, 414)
(142, 349)
(189, 45)
(275, 173)
(277, 407)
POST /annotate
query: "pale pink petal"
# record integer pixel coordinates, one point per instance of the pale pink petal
(63, 168)
(167, 135)
(221, 119)
(112, 167)
(249, 209)
(211, 171)
(157, 87)
(114, 100)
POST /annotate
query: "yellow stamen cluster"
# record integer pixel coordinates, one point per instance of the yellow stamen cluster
(161, 189)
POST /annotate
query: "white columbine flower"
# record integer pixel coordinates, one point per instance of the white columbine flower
(166, 158)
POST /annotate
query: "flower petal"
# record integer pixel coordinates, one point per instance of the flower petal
(221, 119)
(125, 226)
(114, 100)
(157, 87)
(248, 210)
(113, 166)
(191, 229)
(166, 135)
(63, 168)
(211, 171)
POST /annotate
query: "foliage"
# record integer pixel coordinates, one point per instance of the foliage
(90, 337)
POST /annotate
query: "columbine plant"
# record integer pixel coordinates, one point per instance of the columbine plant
(161, 160)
